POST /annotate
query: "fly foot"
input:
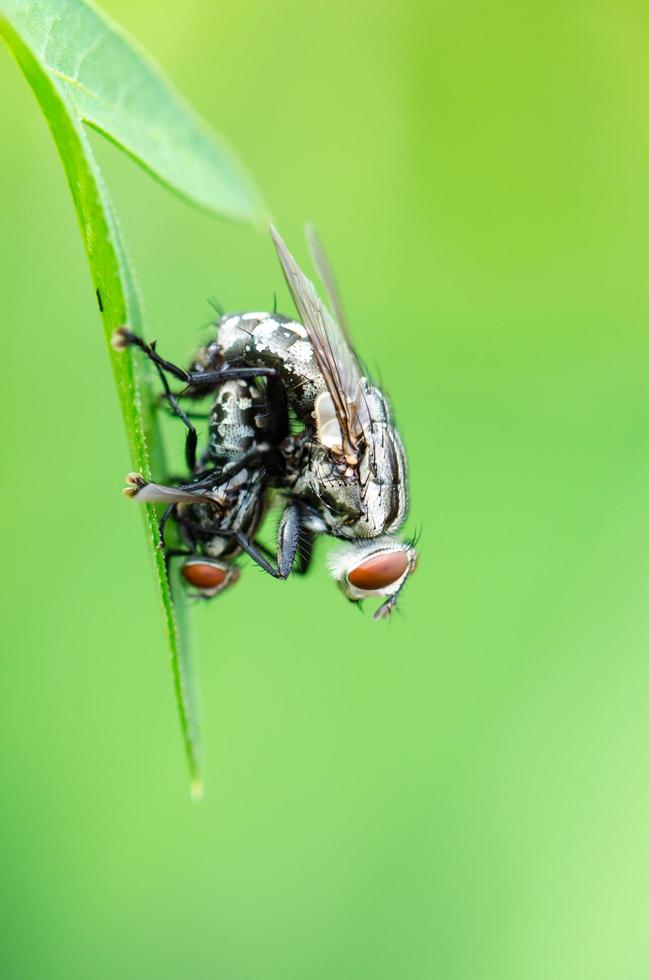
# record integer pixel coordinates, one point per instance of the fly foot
(121, 338)
(134, 483)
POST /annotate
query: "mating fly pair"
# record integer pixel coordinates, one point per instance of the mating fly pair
(342, 473)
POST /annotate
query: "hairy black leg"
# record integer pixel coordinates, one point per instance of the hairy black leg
(226, 373)
(169, 511)
(191, 440)
(264, 549)
(175, 553)
(202, 416)
(123, 337)
(304, 551)
(288, 536)
(387, 608)
(262, 453)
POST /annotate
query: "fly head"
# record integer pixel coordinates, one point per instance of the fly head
(378, 568)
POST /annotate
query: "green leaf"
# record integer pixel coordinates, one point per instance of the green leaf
(112, 85)
(82, 69)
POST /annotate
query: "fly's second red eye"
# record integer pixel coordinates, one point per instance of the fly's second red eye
(379, 572)
(204, 575)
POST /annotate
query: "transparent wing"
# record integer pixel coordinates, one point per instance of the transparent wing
(325, 271)
(335, 357)
(156, 493)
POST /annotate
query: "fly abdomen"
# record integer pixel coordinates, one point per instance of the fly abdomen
(273, 340)
(238, 423)
(237, 413)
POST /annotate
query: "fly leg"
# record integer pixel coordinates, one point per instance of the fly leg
(175, 553)
(304, 551)
(191, 440)
(172, 512)
(288, 537)
(169, 511)
(263, 452)
(123, 338)
(187, 493)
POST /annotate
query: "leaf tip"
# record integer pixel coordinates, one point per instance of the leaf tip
(261, 219)
(196, 789)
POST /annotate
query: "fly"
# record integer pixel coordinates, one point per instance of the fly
(347, 467)
(220, 510)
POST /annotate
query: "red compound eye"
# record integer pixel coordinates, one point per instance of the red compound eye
(204, 575)
(380, 571)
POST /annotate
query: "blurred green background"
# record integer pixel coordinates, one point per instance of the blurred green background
(462, 793)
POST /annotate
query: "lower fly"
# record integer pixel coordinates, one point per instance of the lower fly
(220, 508)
